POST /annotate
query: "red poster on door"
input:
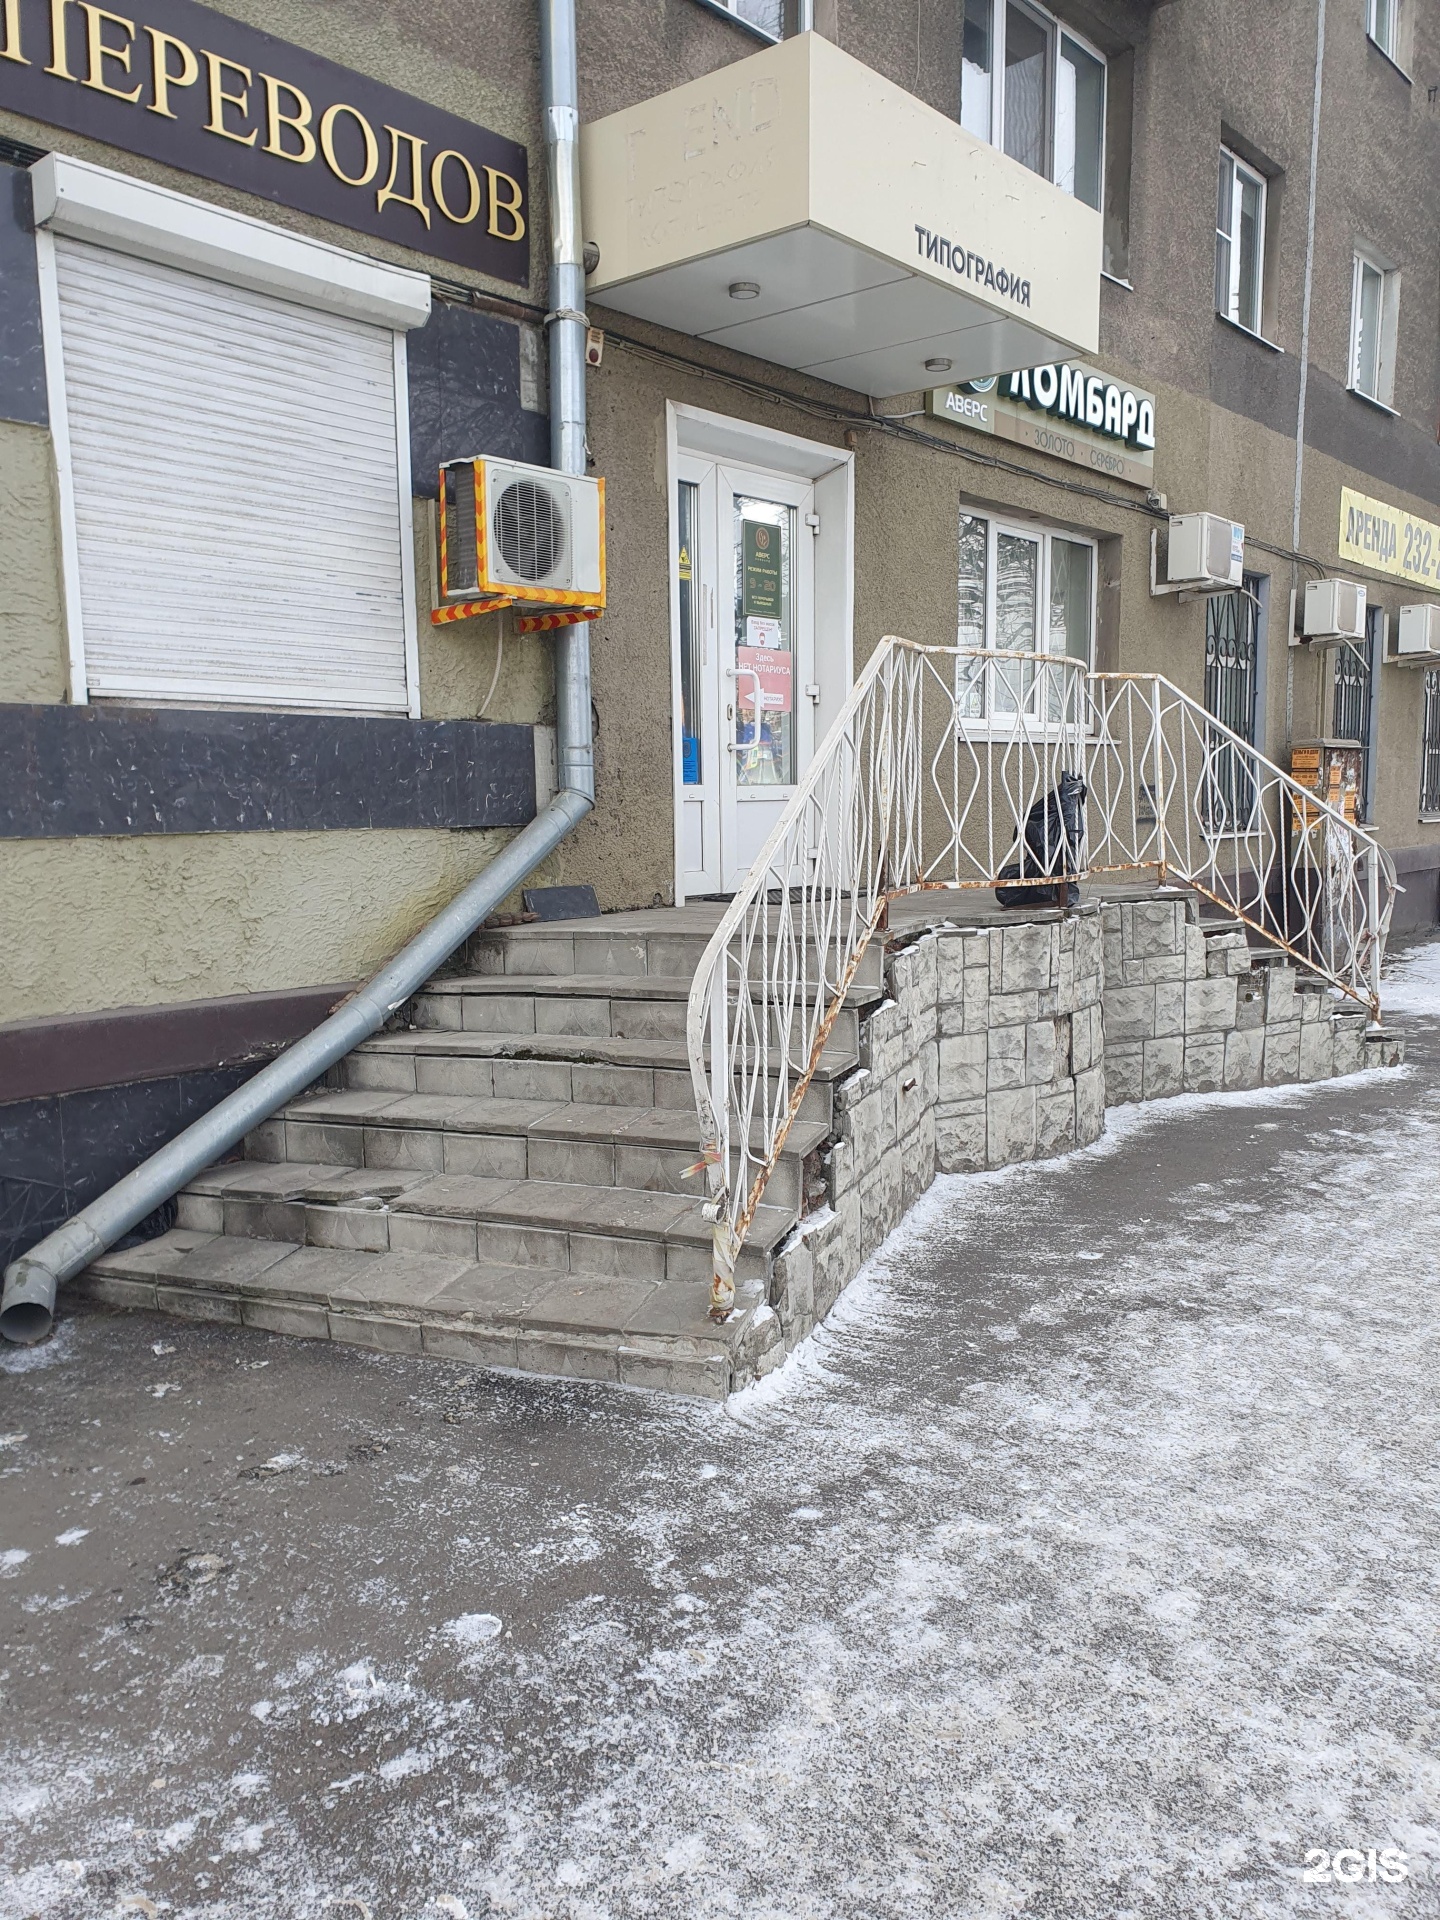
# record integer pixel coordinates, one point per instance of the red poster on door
(773, 667)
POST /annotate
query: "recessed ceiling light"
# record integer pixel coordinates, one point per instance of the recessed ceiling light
(938, 365)
(744, 289)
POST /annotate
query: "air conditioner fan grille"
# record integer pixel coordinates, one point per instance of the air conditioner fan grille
(530, 529)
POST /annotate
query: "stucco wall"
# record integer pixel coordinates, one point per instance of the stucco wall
(908, 499)
(1194, 78)
(98, 923)
(32, 628)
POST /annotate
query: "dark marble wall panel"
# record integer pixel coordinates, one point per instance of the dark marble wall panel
(22, 350)
(465, 395)
(68, 771)
(58, 1155)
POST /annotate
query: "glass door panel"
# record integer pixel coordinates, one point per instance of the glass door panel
(746, 690)
(688, 567)
(764, 603)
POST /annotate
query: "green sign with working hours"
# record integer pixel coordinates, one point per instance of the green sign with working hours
(760, 571)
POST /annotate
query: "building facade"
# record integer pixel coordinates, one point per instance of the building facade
(266, 270)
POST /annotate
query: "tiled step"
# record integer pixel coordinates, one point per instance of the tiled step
(642, 1007)
(592, 1071)
(666, 942)
(634, 1331)
(605, 1146)
(567, 1227)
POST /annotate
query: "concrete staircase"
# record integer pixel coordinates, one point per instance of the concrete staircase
(501, 1177)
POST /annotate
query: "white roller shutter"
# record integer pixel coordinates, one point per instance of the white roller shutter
(236, 484)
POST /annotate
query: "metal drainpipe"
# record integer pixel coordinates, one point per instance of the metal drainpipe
(1307, 297)
(27, 1307)
(559, 80)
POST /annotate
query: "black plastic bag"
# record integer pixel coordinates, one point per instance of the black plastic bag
(1050, 846)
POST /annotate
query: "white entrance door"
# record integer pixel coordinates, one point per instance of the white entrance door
(749, 694)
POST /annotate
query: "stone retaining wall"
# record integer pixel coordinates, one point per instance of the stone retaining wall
(999, 1044)
(1189, 1010)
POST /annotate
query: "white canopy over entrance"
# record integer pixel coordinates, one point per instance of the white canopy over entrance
(800, 207)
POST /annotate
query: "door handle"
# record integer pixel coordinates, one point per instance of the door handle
(749, 673)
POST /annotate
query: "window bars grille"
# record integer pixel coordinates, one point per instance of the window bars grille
(907, 793)
(1430, 745)
(1232, 648)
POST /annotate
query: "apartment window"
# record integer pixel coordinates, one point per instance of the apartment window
(1373, 310)
(1023, 589)
(1239, 242)
(1430, 747)
(1034, 90)
(771, 19)
(1382, 23)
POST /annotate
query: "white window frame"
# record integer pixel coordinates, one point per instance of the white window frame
(1374, 29)
(1054, 30)
(994, 725)
(730, 10)
(1242, 170)
(84, 202)
(1366, 261)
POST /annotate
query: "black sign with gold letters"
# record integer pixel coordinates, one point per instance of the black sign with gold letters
(211, 96)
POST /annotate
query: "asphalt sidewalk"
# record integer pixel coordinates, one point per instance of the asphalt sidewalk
(1084, 1566)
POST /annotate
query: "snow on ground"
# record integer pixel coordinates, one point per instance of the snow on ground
(1082, 1565)
(1412, 982)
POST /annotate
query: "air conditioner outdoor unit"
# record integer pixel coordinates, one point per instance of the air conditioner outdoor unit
(528, 536)
(1417, 635)
(1205, 551)
(1334, 610)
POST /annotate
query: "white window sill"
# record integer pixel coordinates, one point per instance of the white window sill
(1359, 393)
(1116, 281)
(745, 26)
(1390, 61)
(1430, 819)
(1249, 332)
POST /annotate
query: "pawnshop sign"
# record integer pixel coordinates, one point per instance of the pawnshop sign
(1072, 412)
(208, 95)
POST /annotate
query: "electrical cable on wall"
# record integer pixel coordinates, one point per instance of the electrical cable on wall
(500, 619)
(876, 422)
(881, 423)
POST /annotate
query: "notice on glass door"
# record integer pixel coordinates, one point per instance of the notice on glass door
(771, 669)
(760, 571)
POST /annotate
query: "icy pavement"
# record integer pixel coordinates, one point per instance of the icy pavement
(1085, 1566)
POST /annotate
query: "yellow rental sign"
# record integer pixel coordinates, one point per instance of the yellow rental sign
(1389, 540)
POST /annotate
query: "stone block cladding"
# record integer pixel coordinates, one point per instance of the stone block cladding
(1192, 1009)
(1000, 1044)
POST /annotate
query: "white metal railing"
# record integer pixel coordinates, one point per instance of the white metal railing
(927, 779)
